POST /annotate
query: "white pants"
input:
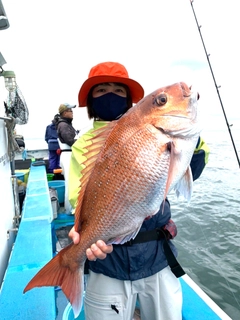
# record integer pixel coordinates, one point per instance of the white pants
(159, 297)
(65, 164)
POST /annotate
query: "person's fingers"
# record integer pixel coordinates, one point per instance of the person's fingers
(98, 250)
(104, 247)
(90, 255)
(74, 236)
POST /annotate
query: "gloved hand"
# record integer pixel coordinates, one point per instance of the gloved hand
(58, 152)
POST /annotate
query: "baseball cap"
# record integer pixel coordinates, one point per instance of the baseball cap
(64, 106)
(109, 72)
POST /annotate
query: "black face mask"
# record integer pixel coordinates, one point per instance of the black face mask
(110, 106)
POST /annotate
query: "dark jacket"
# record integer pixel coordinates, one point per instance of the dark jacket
(51, 137)
(142, 260)
(66, 132)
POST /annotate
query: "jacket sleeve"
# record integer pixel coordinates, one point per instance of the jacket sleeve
(199, 159)
(47, 134)
(66, 134)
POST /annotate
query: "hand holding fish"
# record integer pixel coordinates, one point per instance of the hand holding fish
(98, 250)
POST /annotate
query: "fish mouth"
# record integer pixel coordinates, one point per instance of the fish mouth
(187, 91)
(175, 116)
(178, 132)
(177, 124)
(190, 88)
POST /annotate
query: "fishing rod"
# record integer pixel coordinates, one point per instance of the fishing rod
(217, 87)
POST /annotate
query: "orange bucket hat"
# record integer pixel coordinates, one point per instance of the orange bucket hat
(109, 72)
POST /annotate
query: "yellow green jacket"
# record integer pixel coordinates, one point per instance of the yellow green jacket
(77, 159)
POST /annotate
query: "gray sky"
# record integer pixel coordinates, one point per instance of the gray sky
(52, 44)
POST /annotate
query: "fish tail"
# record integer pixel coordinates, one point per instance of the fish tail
(70, 281)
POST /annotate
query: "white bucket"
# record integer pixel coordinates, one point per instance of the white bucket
(54, 201)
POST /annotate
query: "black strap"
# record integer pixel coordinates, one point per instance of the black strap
(146, 236)
(158, 234)
(176, 268)
(66, 150)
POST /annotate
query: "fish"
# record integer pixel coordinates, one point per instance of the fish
(131, 165)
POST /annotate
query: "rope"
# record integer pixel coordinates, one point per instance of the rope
(12, 143)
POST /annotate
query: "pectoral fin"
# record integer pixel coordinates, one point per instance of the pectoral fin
(175, 158)
(185, 185)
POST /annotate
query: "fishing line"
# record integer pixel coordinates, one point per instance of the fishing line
(229, 130)
(217, 87)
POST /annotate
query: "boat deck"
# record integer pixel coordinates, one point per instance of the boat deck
(62, 237)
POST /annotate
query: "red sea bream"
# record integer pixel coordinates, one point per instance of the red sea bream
(131, 165)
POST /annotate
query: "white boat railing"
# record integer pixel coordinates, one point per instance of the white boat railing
(5, 118)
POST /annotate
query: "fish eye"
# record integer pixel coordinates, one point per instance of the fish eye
(161, 99)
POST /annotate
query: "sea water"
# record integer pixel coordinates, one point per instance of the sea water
(208, 239)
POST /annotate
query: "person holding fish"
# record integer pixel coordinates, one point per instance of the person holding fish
(120, 174)
(130, 271)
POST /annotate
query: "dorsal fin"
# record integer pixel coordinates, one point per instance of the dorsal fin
(91, 154)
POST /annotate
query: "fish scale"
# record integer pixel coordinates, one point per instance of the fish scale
(131, 165)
